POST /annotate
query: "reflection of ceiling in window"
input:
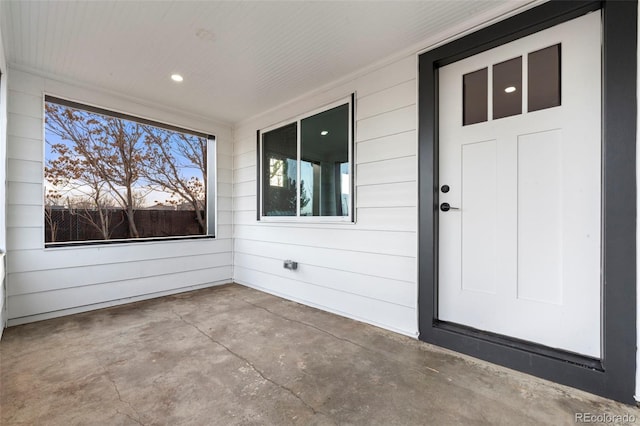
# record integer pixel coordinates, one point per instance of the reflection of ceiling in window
(332, 146)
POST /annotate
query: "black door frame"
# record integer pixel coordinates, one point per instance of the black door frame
(613, 375)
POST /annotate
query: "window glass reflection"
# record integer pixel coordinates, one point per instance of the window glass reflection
(279, 150)
(324, 164)
(544, 78)
(507, 88)
(474, 94)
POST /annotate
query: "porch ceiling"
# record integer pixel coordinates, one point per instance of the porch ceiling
(237, 58)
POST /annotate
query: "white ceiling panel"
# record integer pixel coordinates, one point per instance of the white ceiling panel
(238, 58)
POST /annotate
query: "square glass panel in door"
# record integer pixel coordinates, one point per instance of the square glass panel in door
(324, 148)
(507, 88)
(475, 97)
(544, 78)
(279, 162)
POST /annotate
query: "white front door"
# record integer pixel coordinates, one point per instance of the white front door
(520, 169)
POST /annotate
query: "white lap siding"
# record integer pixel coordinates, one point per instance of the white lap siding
(43, 283)
(3, 186)
(365, 270)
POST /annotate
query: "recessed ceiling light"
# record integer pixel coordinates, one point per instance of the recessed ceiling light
(324, 133)
(177, 78)
(510, 89)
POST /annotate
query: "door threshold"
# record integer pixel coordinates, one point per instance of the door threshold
(521, 345)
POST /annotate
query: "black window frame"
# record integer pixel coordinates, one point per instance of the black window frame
(211, 204)
(350, 100)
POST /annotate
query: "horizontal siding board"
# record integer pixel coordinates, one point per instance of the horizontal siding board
(25, 216)
(24, 126)
(383, 289)
(26, 83)
(245, 131)
(225, 217)
(224, 147)
(395, 97)
(25, 171)
(245, 188)
(225, 175)
(389, 315)
(224, 231)
(56, 279)
(389, 218)
(398, 268)
(389, 123)
(245, 160)
(245, 174)
(245, 203)
(224, 189)
(224, 203)
(25, 238)
(225, 161)
(401, 194)
(25, 194)
(25, 149)
(25, 104)
(388, 76)
(248, 144)
(244, 217)
(388, 147)
(348, 238)
(387, 171)
(70, 257)
(37, 303)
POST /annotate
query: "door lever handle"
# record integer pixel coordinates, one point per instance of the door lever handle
(445, 207)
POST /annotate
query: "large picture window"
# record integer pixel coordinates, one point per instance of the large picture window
(111, 177)
(306, 165)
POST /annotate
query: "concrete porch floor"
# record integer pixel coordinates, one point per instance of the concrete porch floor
(234, 355)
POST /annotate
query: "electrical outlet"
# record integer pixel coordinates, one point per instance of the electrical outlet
(291, 265)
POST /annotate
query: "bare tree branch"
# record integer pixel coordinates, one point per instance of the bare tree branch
(164, 169)
(107, 151)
